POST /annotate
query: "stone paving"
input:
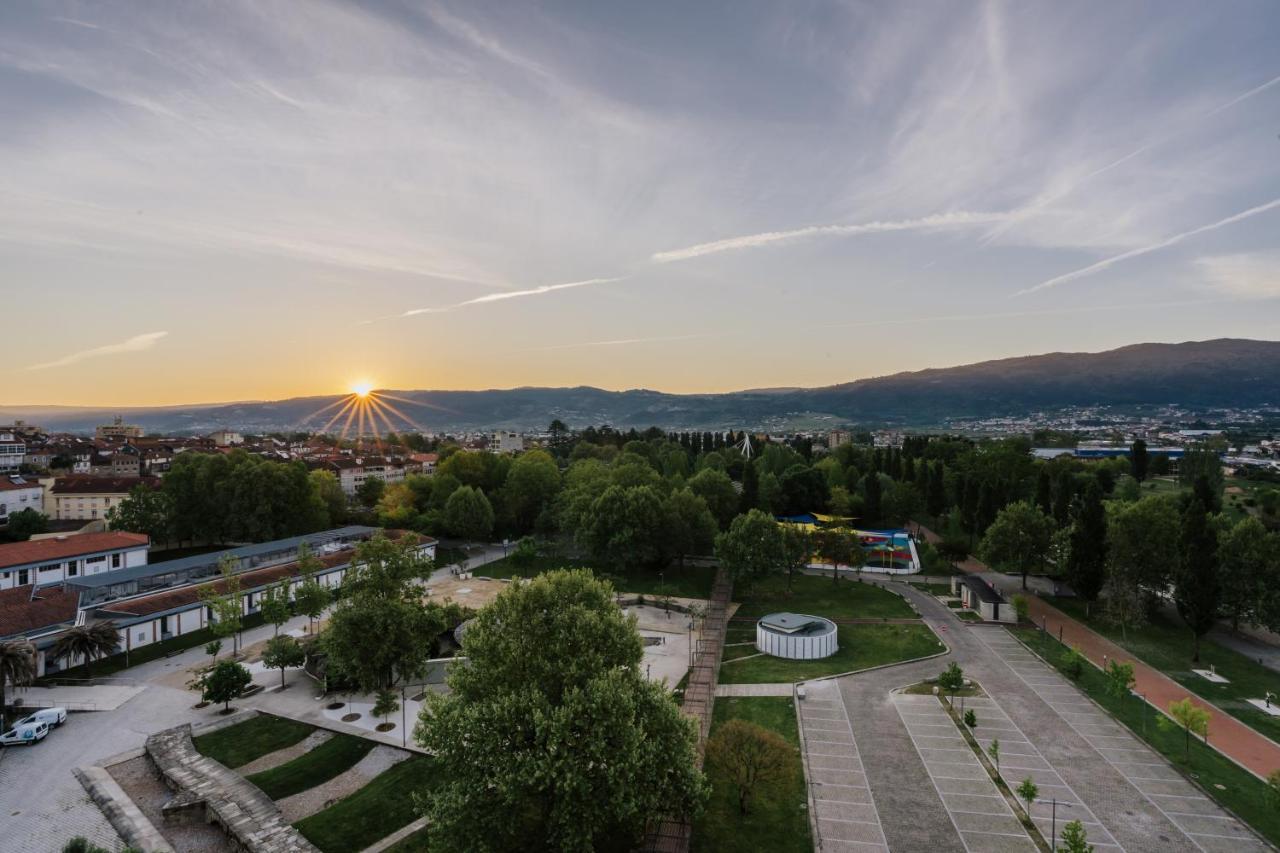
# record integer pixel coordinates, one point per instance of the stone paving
(980, 813)
(844, 810)
(1198, 820)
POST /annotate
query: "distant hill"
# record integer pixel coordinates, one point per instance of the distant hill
(1198, 374)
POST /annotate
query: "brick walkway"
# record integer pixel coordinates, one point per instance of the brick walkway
(1228, 735)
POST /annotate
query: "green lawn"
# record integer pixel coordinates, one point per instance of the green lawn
(1240, 791)
(861, 646)
(1165, 644)
(373, 812)
(689, 582)
(336, 755)
(778, 820)
(254, 738)
(968, 615)
(816, 595)
(933, 588)
(415, 843)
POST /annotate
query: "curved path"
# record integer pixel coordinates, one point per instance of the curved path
(1128, 797)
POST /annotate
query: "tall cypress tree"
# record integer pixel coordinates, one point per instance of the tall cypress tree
(1062, 500)
(872, 497)
(936, 497)
(750, 489)
(1138, 460)
(1087, 558)
(1044, 492)
(1197, 593)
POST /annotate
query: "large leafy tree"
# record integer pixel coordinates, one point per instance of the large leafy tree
(283, 652)
(145, 510)
(624, 528)
(1204, 464)
(1087, 549)
(717, 490)
(227, 680)
(468, 514)
(1251, 557)
(26, 523)
(688, 526)
(751, 548)
(531, 486)
(1197, 591)
(751, 757)
(550, 738)
(1018, 539)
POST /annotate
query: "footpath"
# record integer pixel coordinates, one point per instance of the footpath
(1232, 738)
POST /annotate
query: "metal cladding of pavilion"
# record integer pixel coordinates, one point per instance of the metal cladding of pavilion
(796, 636)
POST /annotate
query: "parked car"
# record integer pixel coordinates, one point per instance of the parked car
(53, 716)
(28, 733)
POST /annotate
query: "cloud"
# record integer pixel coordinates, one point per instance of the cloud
(955, 219)
(1249, 275)
(138, 343)
(507, 294)
(1106, 263)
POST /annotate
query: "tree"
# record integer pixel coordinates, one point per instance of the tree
(1073, 661)
(749, 755)
(370, 491)
(1273, 789)
(225, 682)
(1087, 554)
(87, 642)
(1251, 558)
(872, 496)
(688, 526)
(144, 510)
(623, 528)
(328, 490)
(751, 548)
(1120, 679)
(310, 596)
(1018, 539)
(551, 738)
(274, 604)
(1204, 465)
(971, 718)
(224, 602)
(994, 752)
(1192, 718)
(840, 549)
(1044, 491)
(386, 704)
(1197, 592)
(282, 652)
(468, 514)
(1142, 550)
(26, 523)
(532, 484)
(951, 679)
(1028, 791)
(750, 498)
(717, 490)
(17, 667)
(1138, 460)
(1074, 839)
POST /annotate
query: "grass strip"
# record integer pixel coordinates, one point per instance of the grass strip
(818, 595)
(336, 755)
(373, 812)
(861, 646)
(1217, 776)
(778, 820)
(239, 744)
(688, 582)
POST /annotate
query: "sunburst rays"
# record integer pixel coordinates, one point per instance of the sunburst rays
(371, 414)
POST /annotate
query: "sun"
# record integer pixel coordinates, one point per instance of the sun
(362, 389)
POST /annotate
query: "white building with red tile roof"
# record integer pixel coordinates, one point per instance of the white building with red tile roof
(63, 557)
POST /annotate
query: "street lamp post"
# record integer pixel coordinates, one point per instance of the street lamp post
(1053, 832)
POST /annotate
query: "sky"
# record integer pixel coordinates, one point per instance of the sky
(256, 200)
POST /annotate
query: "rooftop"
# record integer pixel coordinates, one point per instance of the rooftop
(24, 609)
(62, 547)
(795, 623)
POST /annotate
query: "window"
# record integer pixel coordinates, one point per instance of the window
(72, 568)
(101, 558)
(115, 561)
(24, 577)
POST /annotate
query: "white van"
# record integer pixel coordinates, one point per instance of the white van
(53, 716)
(27, 733)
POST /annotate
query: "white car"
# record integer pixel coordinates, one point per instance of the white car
(54, 717)
(27, 733)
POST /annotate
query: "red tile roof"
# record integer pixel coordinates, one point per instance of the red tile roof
(62, 547)
(20, 613)
(9, 485)
(90, 485)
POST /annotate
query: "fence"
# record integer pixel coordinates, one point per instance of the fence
(671, 834)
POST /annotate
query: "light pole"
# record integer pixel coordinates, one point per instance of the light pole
(404, 732)
(1053, 832)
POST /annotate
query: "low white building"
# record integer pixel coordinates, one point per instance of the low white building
(17, 494)
(60, 558)
(13, 451)
(506, 442)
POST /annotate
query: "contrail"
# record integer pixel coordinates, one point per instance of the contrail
(498, 297)
(137, 343)
(1036, 206)
(955, 219)
(1146, 250)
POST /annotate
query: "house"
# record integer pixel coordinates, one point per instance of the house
(55, 559)
(13, 451)
(84, 498)
(117, 429)
(978, 595)
(353, 472)
(226, 438)
(17, 493)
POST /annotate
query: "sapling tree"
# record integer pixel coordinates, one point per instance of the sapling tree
(1028, 791)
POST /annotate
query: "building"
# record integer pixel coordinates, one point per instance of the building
(117, 429)
(837, 437)
(352, 473)
(976, 594)
(506, 442)
(61, 558)
(17, 494)
(13, 451)
(22, 429)
(85, 498)
(226, 438)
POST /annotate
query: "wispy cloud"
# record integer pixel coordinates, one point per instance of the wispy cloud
(1106, 263)
(138, 343)
(504, 295)
(955, 219)
(1247, 275)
